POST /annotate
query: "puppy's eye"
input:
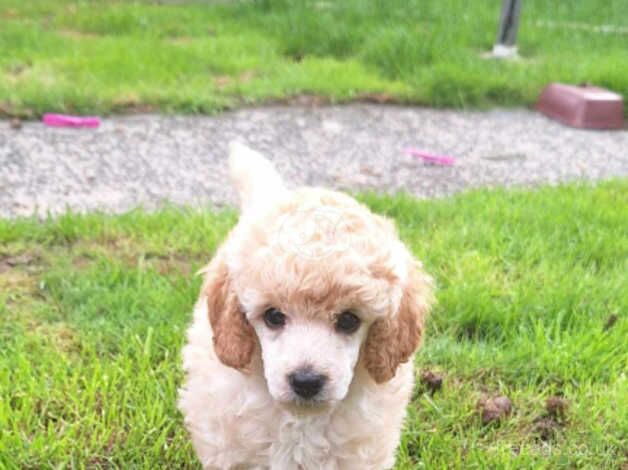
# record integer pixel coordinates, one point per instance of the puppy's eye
(274, 319)
(347, 323)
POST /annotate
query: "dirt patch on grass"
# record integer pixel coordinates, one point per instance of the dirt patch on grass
(557, 407)
(82, 261)
(494, 409)
(11, 110)
(302, 100)
(17, 282)
(610, 321)
(135, 108)
(545, 428)
(26, 259)
(377, 98)
(549, 424)
(313, 101)
(60, 336)
(132, 104)
(431, 381)
(19, 274)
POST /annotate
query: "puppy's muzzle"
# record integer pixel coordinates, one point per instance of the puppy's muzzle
(306, 383)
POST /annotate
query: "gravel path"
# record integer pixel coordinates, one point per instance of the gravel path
(148, 159)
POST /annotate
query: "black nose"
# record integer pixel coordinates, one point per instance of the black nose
(306, 383)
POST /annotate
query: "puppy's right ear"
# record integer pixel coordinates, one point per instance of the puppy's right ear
(233, 335)
(391, 342)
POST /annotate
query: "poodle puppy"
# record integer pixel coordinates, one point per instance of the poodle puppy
(299, 353)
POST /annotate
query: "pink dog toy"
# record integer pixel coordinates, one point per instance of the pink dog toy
(431, 158)
(63, 120)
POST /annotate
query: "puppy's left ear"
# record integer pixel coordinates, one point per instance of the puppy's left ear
(391, 342)
(234, 337)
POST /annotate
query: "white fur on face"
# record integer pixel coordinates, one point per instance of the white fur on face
(308, 344)
(314, 255)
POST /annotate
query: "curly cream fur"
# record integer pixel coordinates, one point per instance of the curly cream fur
(237, 405)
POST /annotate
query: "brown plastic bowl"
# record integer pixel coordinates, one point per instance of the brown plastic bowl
(582, 106)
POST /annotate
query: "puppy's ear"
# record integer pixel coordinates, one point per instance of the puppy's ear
(391, 342)
(234, 337)
(255, 178)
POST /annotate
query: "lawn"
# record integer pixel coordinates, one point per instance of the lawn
(110, 56)
(531, 304)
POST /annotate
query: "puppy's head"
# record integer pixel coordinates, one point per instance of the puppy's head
(316, 284)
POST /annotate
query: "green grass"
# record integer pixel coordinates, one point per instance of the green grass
(108, 56)
(93, 311)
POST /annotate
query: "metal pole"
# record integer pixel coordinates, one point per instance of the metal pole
(506, 44)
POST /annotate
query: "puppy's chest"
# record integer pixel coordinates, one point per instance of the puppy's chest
(303, 444)
(322, 443)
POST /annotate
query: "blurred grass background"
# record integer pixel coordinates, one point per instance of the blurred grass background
(200, 57)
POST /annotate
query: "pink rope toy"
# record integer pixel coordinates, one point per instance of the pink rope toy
(431, 158)
(64, 120)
